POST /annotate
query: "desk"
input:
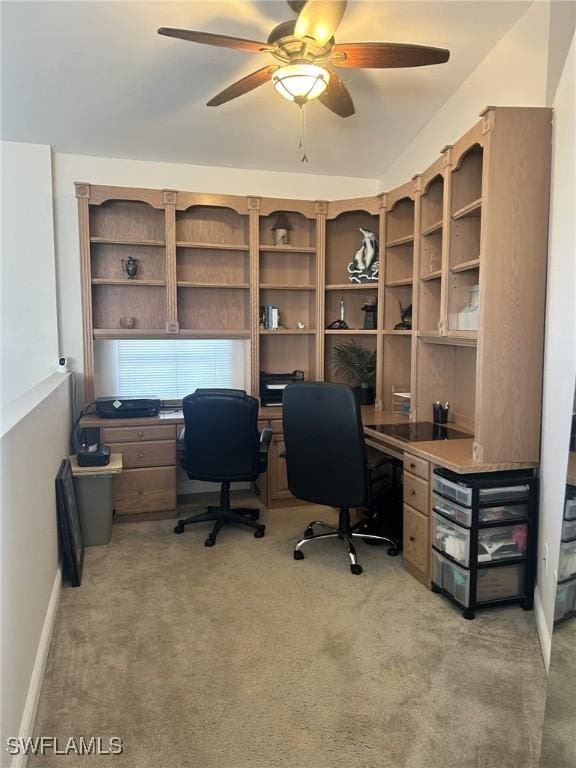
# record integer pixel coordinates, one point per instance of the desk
(148, 483)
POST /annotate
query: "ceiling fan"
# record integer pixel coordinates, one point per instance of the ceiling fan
(307, 52)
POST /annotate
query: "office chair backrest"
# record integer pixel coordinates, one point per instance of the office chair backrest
(221, 439)
(325, 451)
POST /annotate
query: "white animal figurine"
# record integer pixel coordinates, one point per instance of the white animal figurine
(364, 265)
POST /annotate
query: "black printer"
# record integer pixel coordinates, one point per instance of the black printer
(127, 407)
(272, 385)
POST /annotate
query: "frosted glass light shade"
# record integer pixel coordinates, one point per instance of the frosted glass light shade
(301, 82)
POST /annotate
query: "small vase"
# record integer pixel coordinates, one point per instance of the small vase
(127, 322)
(365, 395)
(130, 266)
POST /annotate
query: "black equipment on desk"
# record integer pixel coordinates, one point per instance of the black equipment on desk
(95, 455)
(126, 408)
(272, 385)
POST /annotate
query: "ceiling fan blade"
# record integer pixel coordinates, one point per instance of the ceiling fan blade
(207, 38)
(387, 55)
(337, 98)
(240, 87)
(319, 19)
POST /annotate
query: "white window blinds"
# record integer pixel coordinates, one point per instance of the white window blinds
(171, 369)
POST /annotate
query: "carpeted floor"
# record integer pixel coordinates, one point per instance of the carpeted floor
(240, 657)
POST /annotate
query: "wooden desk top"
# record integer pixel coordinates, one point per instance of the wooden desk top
(455, 455)
(113, 467)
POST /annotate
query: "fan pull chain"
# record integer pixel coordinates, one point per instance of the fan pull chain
(301, 132)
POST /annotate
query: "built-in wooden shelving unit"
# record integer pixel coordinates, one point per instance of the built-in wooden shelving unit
(476, 217)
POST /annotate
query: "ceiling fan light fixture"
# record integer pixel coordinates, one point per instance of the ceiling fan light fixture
(301, 82)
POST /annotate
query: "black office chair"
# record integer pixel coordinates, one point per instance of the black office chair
(328, 462)
(221, 443)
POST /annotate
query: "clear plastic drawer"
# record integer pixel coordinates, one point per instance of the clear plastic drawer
(453, 579)
(505, 493)
(499, 583)
(565, 599)
(463, 515)
(504, 542)
(568, 530)
(462, 494)
(570, 508)
(451, 539)
(567, 561)
(458, 493)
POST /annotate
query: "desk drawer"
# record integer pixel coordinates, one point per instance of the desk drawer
(145, 490)
(147, 454)
(415, 540)
(416, 492)
(419, 467)
(135, 434)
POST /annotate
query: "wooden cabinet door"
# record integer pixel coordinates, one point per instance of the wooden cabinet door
(416, 542)
(277, 471)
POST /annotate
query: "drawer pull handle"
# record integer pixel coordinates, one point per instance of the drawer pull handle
(140, 434)
(140, 455)
(412, 538)
(412, 465)
(140, 491)
(412, 492)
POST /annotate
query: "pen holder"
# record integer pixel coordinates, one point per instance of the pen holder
(439, 413)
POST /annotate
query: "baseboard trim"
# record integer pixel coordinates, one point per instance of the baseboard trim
(35, 686)
(543, 634)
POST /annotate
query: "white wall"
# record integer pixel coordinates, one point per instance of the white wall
(29, 549)
(134, 173)
(29, 333)
(560, 343)
(513, 74)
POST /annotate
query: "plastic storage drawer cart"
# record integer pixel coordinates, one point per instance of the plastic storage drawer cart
(566, 590)
(484, 538)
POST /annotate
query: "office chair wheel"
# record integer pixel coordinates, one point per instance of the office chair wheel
(179, 528)
(356, 569)
(298, 554)
(259, 532)
(468, 615)
(308, 533)
(393, 551)
(209, 542)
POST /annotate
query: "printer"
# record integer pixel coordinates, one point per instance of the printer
(272, 385)
(127, 407)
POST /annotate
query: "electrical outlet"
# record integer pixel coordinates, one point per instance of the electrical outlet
(545, 558)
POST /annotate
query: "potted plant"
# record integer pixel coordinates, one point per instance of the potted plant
(358, 366)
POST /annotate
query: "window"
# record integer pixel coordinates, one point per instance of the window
(171, 369)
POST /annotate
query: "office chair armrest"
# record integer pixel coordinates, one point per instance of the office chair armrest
(265, 438)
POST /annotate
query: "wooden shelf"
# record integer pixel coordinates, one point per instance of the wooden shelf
(350, 332)
(131, 333)
(115, 241)
(432, 276)
(472, 209)
(287, 332)
(397, 283)
(287, 248)
(436, 227)
(352, 287)
(213, 246)
(158, 333)
(400, 241)
(454, 338)
(125, 281)
(397, 333)
(284, 287)
(464, 266)
(191, 284)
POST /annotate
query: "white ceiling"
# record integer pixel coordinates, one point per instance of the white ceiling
(95, 78)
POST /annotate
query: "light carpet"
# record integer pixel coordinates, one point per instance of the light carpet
(240, 657)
